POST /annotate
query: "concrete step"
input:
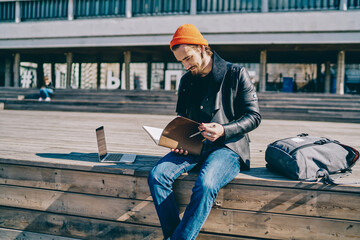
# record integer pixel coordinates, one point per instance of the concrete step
(291, 106)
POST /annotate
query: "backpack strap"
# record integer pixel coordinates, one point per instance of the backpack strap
(324, 176)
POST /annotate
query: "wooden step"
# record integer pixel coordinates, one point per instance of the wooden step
(239, 210)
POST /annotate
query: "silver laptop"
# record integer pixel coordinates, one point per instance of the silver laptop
(104, 156)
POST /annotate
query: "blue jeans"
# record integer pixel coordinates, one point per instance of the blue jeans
(217, 170)
(46, 92)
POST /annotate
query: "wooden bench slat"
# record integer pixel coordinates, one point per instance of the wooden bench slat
(74, 226)
(233, 196)
(11, 234)
(226, 221)
(88, 228)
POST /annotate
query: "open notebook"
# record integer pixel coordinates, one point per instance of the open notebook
(177, 135)
(154, 133)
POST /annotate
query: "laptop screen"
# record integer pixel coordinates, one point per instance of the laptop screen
(100, 136)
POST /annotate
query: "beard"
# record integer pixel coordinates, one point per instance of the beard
(196, 69)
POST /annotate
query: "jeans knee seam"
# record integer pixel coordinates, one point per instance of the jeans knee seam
(179, 169)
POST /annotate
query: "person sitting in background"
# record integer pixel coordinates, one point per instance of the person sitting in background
(47, 90)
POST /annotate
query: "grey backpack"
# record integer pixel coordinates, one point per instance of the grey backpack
(310, 158)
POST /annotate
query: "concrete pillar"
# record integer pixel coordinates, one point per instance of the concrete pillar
(264, 5)
(17, 12)
(79, 75)
(40, 75)
(343, 5)
(319, 84)
(340, 76)
(128, 8)
(149, 70)
(7, 72)
(165, 69)
(327, 88)
(53, 74)
(69, 61)
(98, 73)
(193, 7)
(127, 60)
(71, 10)
(17, 70)
(121, 61)
(262, 73)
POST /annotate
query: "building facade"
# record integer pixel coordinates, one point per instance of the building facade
(287, 45)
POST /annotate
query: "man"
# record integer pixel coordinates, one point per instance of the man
(221, 96)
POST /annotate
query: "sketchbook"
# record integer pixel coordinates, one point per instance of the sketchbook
(177, 135)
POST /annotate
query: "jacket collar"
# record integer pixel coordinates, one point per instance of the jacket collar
(219, 68)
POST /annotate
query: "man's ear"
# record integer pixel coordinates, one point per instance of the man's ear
(202, 49)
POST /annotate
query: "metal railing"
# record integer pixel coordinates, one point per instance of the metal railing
(160, 7)
(302, 5)
(99, 8)
(353, 4)
(228, 6)
(7, 11)
(42, 10)
(32, 10)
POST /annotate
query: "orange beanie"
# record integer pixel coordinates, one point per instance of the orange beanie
(188, 34)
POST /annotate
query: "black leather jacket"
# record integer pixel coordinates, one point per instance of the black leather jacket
(232, 102)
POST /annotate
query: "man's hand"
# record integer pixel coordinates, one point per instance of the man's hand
(212, 131)
(180, 151)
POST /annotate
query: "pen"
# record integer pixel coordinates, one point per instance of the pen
(196, 133)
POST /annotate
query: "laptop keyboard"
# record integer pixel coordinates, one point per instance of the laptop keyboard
(113, 158)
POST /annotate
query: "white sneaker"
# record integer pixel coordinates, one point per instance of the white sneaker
(40, 99)
(47, 99)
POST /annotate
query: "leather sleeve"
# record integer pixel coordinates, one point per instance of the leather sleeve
(245, 107)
